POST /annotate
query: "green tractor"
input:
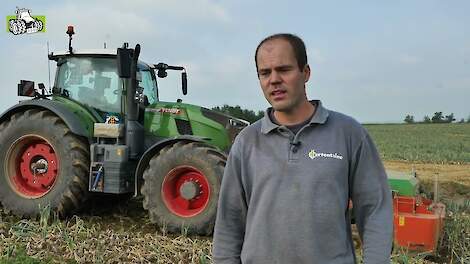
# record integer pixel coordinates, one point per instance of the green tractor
(103, 129)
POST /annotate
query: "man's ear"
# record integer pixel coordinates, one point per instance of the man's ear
(306, 72)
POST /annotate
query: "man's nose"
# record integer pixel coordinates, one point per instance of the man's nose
(275, 77)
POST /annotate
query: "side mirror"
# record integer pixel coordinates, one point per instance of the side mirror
(184, 83)
(26, 88)
(124, 62)
(161, 70)
(161, 73)
(41, 86)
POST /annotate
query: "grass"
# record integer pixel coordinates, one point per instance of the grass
(435, 143)
(20, 257)
(456, 240)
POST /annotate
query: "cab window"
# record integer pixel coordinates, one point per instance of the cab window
(148, 82)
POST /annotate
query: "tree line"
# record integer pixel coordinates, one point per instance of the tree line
(236, 111)
(252, 116)
(438, 117)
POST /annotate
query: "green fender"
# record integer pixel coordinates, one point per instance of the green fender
(75, 124)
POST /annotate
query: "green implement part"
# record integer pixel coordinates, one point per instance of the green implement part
(403, 184)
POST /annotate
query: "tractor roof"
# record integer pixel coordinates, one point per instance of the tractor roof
(97, 53)
(86, 52)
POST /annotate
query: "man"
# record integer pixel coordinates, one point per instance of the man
(289, 176)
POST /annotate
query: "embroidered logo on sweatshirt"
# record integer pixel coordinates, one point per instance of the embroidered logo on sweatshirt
(313, 154)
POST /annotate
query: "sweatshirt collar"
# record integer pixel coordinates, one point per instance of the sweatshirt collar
(320, 117)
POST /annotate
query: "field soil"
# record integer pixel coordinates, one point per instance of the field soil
(114, 230)
(453, 180)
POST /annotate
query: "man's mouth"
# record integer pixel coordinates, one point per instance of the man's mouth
(278, 94)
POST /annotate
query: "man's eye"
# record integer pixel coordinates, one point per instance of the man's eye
(286, 69)
(264, 73)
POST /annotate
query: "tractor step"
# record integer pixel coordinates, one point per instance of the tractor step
(111, 171)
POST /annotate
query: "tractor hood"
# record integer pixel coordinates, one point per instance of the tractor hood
(169, 119)
(224, 119)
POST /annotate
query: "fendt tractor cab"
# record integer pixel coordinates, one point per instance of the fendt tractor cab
(103, 129)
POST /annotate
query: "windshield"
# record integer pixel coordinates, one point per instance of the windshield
(91, 81)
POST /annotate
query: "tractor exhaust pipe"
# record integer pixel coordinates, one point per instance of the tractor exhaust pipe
(132, 107)
(127, 60)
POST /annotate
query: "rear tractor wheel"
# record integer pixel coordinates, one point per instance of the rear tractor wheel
(181, 187)
(41, 164)
(14, 27)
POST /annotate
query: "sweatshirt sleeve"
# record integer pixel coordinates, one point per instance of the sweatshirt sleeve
(372, 201)
(229, 229)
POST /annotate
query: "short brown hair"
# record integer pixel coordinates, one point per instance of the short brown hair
(297, 44)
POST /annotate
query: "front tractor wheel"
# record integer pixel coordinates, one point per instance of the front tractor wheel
(181, 187)
(38, 24)
(31, 166)
(41, 164)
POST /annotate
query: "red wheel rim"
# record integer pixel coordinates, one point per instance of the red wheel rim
(32, 166)
(185, 191)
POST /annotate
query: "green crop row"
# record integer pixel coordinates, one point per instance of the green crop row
(436, 143)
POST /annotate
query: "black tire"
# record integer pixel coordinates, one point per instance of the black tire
(200, 157)
(14, 27)
(38, 24)
(69, 187)
(21, 26)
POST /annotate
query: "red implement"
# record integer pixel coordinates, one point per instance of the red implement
(418, 223)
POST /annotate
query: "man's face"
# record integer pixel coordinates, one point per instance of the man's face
(282, 81)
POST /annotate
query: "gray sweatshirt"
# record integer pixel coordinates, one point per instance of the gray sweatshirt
(284, 197)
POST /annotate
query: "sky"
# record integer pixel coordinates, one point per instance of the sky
(376, 61)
